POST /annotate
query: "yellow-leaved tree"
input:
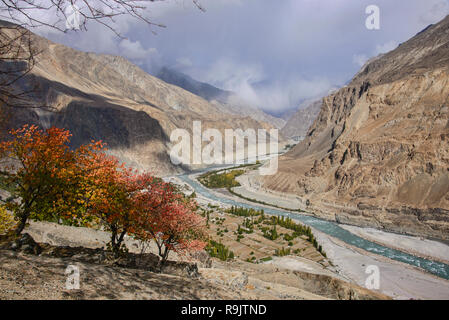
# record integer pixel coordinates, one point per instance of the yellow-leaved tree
(7, 222)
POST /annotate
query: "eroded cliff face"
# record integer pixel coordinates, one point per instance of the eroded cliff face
(378, 153)
(108, 98)
(299, 123)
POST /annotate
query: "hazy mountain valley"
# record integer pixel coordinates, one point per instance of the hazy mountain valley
(362, 180)
(377, 155)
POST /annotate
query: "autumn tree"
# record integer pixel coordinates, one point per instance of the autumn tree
(165, 216)
(48, 182)
(110, 201)
(111, 197)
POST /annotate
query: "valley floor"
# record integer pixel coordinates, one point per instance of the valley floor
(397, 280)
(24, 276)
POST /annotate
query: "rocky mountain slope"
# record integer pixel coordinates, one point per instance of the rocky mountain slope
(205, 90)
(378, 153)
(299, 123)
(107, 97)
(226, 101)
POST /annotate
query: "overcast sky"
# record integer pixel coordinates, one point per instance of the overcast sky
(274, 53)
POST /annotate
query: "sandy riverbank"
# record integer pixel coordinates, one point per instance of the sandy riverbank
(251, 187)
(421, 247)
(397, 280)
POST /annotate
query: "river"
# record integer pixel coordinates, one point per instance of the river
(332, 229)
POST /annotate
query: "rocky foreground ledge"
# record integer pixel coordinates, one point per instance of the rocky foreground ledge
(32, 269)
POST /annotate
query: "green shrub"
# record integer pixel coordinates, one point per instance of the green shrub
(266, 259)
(219, 250)
(216, 180)
(282, 252)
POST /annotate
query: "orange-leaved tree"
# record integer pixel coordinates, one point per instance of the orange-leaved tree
(45, 174)
(112, 201)
(163, 215)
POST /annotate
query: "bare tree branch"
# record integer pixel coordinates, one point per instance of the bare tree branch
(26, 12)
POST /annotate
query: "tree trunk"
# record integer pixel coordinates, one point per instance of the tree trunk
(22, 223)
(116, 241)
(164, 258)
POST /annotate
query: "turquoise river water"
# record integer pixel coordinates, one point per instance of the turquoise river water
(333, 229)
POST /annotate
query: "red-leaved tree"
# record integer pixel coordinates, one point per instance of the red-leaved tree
(165, 216)
(112, 200)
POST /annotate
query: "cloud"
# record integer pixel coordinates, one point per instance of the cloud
(183, 63)
(288, 93)
(253, 84)
(273, 53)
(232, 74)
(134, 50)
(360, 59)
(386, 47)
(437, 12)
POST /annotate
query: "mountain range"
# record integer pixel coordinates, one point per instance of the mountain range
(105, 97)
(377, 155)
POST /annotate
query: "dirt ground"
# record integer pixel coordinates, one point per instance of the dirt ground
(29, 276)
